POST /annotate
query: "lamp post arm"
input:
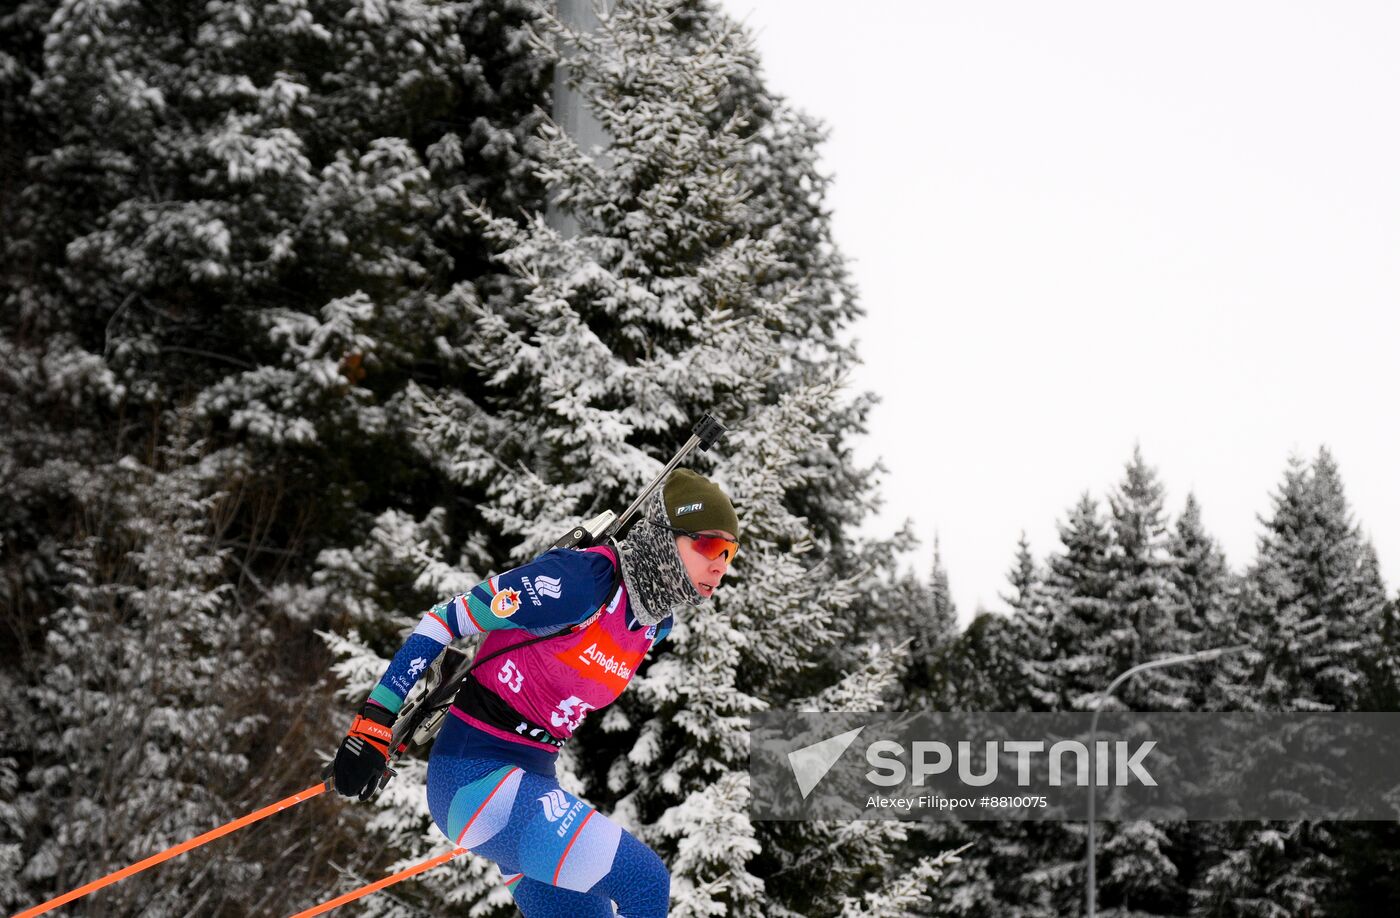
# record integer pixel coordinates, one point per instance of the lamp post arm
(1091, 892)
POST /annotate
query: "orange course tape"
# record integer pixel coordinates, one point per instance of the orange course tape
(175, 850)
(377, 885)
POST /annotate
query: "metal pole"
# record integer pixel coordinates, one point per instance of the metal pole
(420, 867)
(159, 857)
(1091, 891)
(569, 110)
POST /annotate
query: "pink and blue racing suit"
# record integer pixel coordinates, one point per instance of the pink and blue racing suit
(491, 777)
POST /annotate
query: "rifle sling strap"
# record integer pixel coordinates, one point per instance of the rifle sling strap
(474, 698)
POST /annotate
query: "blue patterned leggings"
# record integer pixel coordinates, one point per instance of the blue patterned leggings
(559, 856)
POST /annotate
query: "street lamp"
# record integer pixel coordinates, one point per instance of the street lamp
(1091, 892)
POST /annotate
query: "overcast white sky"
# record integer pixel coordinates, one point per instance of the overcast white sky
(1076, 226)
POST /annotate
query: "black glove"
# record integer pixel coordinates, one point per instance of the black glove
(364, 753)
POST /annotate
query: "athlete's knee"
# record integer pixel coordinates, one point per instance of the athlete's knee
(472, 802)
(649, 863)
(640, 884)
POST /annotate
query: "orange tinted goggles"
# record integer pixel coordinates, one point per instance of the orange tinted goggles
(709, 546)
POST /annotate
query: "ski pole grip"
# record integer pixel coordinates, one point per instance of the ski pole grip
(708, 430)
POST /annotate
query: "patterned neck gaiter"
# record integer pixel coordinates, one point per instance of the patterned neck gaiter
(652, 569)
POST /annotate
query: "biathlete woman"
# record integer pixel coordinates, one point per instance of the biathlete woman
(491, 776)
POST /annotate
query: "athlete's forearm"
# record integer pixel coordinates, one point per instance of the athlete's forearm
(435, 631)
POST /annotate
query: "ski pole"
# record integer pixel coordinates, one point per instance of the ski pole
(175, 850)
(420, 867)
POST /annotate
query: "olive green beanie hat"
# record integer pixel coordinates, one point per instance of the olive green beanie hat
(696, 504)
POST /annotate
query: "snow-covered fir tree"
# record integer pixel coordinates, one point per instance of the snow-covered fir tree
(1319, 602)
(1200, 869)
(1385, 675)
(280, 212)
(137, 723)
(1003, 663)
(1382, 668)
(1106, 603)
(930, 631)
(1026, 580)
(591, 353)
(254, 208)
(1311, 613)
(1078, 588)
(980, 668)
(943, 612)
(1034, 687)
(1204, 583)
(1146, 608)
